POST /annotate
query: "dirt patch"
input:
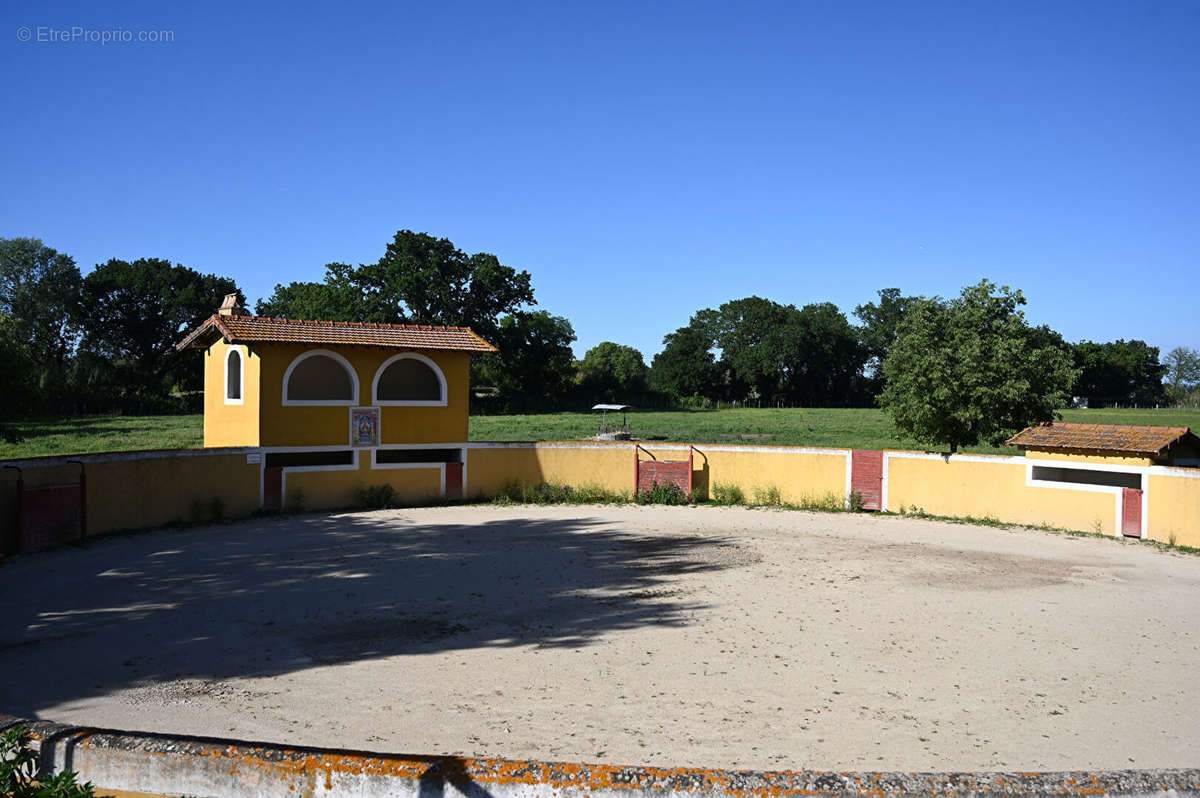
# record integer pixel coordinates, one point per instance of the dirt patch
(962, 569)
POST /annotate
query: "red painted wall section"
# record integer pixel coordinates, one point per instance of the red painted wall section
(454, 480)
(273, 488)
(50, 516)
(866, 477)
(1131, 513)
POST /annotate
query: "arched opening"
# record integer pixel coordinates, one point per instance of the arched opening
(320, 377)
(410, 379)
(233, 377)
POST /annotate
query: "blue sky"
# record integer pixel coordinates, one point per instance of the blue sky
(641, 160)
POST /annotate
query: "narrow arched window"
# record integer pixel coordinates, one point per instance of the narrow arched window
(233, 377)
(410, 379)
(320, 378)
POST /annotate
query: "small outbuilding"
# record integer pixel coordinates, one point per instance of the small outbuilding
(1105, 458)
(387, 403)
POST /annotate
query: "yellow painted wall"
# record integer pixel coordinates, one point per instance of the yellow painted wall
(798, 475)
(314, 490)
(330, 426)
(230, 425)
(608, 467)
(141, 493)
(994, 489)
(1089, 457)
(1174, 507)
(134, 492)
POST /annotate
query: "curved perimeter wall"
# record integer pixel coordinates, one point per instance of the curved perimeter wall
(136, 490)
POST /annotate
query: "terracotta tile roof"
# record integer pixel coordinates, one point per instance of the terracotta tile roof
(1119, 439)
(264, 329)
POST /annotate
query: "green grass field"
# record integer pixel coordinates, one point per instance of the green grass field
(840, 428)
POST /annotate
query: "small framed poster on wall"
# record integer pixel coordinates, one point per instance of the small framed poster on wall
(364, 426)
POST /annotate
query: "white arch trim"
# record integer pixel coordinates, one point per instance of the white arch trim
(241, 400)
(350, 370)
(409, 402)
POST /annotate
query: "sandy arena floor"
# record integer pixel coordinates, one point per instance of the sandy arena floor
(668, 636)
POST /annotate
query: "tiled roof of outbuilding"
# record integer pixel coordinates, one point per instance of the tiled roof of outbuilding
(264, 329)
(1115, 438)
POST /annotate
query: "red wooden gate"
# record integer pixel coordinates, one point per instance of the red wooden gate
(454, 480)
(49, 515)
(866, 477)
(663, 472)
(1131, 513)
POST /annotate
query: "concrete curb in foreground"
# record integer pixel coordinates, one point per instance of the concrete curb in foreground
(203, 766)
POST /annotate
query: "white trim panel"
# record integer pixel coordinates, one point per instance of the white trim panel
(1117, 492)
(285, 470)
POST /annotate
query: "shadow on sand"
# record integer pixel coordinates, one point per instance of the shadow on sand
(271, 596)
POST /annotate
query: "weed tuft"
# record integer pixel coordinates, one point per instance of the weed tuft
(375, 497)
(727, 494)
(768, 496)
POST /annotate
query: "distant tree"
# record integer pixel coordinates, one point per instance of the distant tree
(781, 353)
(686, 366)
(971, 369)
(1183, 368)
(612, 373)
(880, 322)
(1183, 376)
(1119, 372)
(338, 298)
(535, 367)
(39, 291)
(132, 314)
(419, 280)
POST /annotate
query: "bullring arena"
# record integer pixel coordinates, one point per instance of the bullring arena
(673, 636)
(587, 651)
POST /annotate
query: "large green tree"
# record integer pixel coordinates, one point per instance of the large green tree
(132, 314)
(39, 290)
(686, 366)
(972, 369)
(535, 367)
(418, 280)
(612, 373)
(1119, 372)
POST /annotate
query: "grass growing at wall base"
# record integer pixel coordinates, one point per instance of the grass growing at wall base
(521, 492)
(996, 523)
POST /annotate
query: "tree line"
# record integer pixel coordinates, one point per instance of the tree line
(104, 342)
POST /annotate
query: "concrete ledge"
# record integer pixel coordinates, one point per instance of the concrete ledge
(205, 766)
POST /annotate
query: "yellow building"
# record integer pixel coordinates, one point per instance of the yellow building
(337, 407)
(1106, 458)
